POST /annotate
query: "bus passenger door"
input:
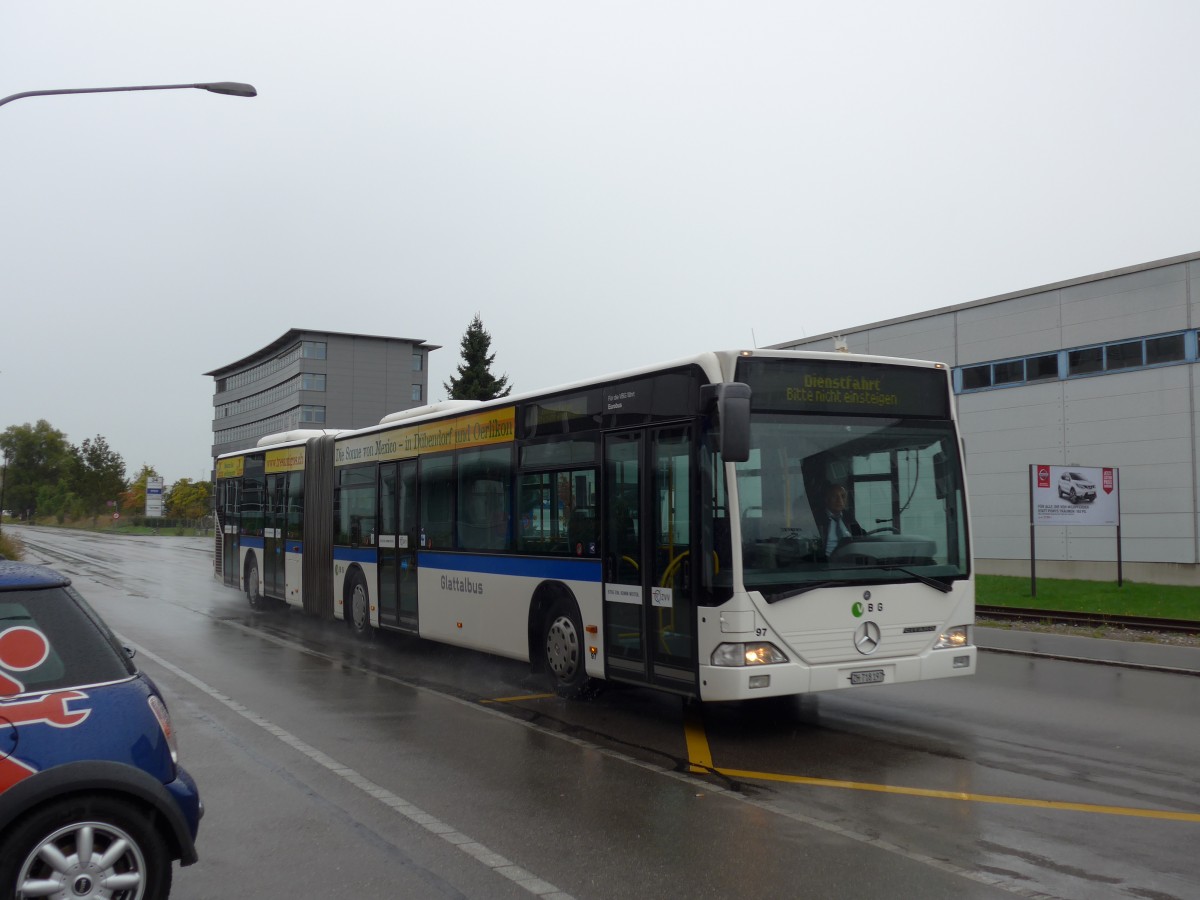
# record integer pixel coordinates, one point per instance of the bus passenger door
(388, 563)
(398, 545)
(274, 522)
(649, 567)
(406, 545)
(231, 502)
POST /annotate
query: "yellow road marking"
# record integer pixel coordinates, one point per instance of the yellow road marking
(518, 699)
(959, 795)
(697, 741)
(700, 758)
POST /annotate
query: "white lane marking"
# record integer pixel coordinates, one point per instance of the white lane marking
(494, 861)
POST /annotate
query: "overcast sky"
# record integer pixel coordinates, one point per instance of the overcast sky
(607, 184)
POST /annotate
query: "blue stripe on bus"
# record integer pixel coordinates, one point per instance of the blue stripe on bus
(295, 546)
(247, 541)
(527, 566)
(356, 554)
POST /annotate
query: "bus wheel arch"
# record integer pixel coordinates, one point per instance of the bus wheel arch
(356, 603)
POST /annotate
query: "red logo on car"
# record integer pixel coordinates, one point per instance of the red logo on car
(23, 649)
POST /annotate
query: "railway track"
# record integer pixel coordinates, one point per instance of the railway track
(1135, 623)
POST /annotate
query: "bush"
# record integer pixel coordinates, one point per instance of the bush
(11, 546)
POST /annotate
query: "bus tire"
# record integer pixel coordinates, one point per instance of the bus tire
(358, 606)
(562, 646)
(254, 592)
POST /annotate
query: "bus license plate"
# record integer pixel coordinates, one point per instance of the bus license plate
(870, 676)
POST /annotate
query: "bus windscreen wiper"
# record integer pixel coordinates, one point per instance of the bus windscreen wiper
(944, 586)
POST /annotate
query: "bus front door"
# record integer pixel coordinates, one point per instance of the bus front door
(274, 524)
(649, 567)
(398, 545)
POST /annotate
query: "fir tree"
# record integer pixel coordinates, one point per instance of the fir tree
(475, 380)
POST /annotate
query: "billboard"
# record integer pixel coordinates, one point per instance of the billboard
(154, 496)
(1075, 495)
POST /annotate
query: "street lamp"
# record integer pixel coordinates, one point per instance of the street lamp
(233, 88)
(3, 483)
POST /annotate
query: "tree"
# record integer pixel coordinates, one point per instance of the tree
(98, 475)
(189, 499)
(39, 457)
(475, 380)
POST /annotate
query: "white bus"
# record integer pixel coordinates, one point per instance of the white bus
(665, 526)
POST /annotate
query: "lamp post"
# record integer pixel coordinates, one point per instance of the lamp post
(233, 88)
(3, 484)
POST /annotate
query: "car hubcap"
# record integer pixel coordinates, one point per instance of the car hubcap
(562, 648)
(90, 859)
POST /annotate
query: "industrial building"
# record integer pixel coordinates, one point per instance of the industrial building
(316, 379)
(1094, 371)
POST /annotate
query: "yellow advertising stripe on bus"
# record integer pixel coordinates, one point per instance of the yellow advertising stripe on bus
(231, 468)
(289, 460)
(497, 426)
(965, 797)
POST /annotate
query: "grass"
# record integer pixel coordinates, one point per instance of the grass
(11, 546)
(1160, 601)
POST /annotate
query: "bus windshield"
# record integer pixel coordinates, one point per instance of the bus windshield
(828, 500)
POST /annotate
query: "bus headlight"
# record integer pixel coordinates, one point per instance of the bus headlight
(953, 638)
(747, 655)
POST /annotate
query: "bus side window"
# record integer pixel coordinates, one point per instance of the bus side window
(577, 496)
(484, 479)
(533, 511)
(437, 502)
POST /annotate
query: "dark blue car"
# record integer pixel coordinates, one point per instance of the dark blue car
(93, 802)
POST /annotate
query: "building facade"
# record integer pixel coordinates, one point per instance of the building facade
(1099, 371)
(316, 379)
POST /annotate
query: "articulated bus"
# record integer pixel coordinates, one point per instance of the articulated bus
(665, 526)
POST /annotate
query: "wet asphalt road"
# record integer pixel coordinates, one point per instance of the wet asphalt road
(399, 768)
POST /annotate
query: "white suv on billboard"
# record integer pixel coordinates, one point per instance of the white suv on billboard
(1076, 486)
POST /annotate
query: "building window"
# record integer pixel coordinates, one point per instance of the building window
(1081, 362)
(1164, 349)
(1011, 372)
(312, 349)
(416, 393)
(1123, 356)
(1041, 368)
(314, 415)
(312, 381)
(418, 361)
(1115, 357)
(975, 377)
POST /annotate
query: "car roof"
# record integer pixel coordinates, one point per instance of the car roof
(19, 575)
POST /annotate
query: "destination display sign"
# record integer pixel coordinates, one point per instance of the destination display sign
(476, 430)
(834, 386)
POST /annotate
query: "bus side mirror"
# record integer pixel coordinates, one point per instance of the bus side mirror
(732, 401)
(940, 475)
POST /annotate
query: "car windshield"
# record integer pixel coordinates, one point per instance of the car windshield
(53, 640)
(893, 486)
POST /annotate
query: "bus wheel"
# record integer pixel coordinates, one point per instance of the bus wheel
(564, 652)
(359, 607)
(254, 586)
